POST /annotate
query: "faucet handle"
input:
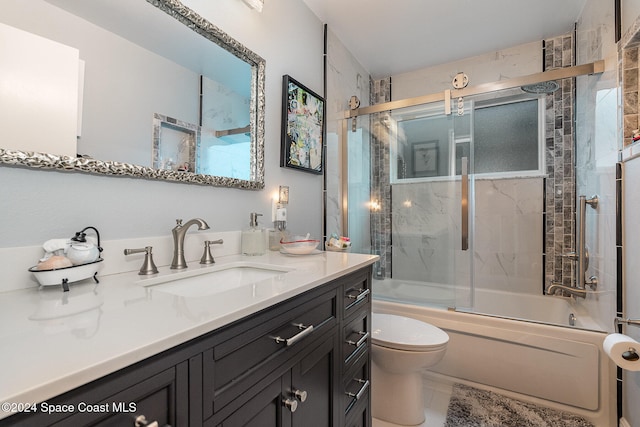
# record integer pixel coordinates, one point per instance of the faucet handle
(207, 258)
(148, 266)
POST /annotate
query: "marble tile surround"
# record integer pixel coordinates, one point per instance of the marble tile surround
(380, 179)
(560, 163)
(630, 80)
(507, 254)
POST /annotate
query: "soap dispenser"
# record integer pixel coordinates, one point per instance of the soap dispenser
(253, 240)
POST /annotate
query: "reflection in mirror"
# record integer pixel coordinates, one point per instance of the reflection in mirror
(143, 75)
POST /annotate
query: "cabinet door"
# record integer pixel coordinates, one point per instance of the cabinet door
(154, 399)
(303, 396)
(265, 409)
(312, 384)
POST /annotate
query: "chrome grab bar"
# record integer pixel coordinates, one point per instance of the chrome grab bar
(580, 256)
(583, 255)
(618, 320)
(465, 204)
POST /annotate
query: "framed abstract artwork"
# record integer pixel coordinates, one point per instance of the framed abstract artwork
(302, 127)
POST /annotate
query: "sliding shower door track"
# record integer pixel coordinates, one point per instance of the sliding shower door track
(596, 67)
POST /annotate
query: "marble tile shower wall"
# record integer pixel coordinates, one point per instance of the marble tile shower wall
(560, 164)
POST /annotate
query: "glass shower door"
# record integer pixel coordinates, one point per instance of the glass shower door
(414, 211)
(431, 195)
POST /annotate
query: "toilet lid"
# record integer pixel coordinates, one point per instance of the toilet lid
(404, 333)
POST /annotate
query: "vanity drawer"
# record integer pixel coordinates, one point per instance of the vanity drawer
(357, 387)
(356, 294)
(359, 415)
(356, 337)
(261, 344)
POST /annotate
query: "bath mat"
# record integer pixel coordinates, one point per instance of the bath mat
(471, 407)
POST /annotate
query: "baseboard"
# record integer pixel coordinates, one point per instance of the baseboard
(623, 423)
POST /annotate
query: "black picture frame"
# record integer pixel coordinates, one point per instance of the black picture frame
(303, 121)
(424, 158)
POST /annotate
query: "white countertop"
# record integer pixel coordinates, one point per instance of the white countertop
(54, 341)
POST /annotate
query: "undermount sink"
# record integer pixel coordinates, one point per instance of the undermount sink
(212, 280)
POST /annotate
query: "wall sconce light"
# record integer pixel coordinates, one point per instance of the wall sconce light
(254, 4)
(283, 194)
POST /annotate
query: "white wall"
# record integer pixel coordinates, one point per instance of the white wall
(38, 205)
(631, 198)
(491, 67)
(631, 380)
(597, 18)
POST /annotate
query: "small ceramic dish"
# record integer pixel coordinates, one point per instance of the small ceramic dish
(65, 275)
(332, 248)
(299, 245)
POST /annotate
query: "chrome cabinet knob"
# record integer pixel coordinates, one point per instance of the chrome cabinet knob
(301, 395)
(291, 404)
(141, 421)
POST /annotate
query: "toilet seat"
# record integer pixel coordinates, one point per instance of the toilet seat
(404, 333)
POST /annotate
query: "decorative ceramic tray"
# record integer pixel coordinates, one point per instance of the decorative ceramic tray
(65, 275)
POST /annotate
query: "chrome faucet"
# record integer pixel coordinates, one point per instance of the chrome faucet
(580, 292)
(573, 291)
(179, 232)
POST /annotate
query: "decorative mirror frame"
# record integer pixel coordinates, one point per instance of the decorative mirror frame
(205, 28)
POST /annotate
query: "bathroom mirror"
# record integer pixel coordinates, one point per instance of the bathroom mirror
(162, 94)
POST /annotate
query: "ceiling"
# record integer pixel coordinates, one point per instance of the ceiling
(390, 37)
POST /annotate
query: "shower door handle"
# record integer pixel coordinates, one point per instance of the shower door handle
(465, 203)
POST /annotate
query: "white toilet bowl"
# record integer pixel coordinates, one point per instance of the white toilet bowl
(401, 348)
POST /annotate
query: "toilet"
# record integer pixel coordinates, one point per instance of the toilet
(401, 349)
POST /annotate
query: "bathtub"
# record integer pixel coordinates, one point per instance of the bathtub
(542, 360)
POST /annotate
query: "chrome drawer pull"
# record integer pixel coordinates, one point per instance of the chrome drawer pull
(365, 336)
(363, 293)
(365, 386)
(306, 330)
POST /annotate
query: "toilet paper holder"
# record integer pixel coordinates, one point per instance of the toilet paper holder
(631, 354)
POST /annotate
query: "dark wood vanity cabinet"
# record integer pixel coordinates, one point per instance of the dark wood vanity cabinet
(155, 390)
(303, 395)
(356, 351)
(303, 362)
